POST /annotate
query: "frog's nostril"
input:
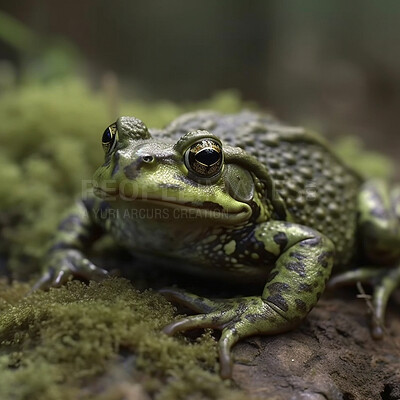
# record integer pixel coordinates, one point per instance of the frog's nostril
(148, 159)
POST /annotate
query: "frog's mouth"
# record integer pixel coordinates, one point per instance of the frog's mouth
(184, 209)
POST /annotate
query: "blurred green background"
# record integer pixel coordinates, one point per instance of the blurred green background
(334, 65)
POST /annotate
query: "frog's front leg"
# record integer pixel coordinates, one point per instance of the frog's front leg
(64, 259)
(379, 231)
(304, 260)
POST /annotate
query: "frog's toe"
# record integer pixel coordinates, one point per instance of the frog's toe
(54, 277)
(44, 282)
(232, 332)
(236, 318)
(230, 336)
(214, 319)
(363, 275)
(66, 265)
(87, 270)
(382, 292)
(193, 302)
(62, 277)
(383, 280)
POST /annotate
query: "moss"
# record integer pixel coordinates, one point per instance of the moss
(366, 163)
(55, 343)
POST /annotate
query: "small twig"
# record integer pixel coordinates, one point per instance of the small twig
(363, 295)
(367, 298)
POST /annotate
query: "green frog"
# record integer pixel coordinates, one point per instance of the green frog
(235, 197)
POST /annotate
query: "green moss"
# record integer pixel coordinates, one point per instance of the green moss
(54, 344)
(366, 163)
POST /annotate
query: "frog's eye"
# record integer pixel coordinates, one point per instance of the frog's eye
(205, 158)
(109, 139)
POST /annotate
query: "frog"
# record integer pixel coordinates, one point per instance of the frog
(235, 197)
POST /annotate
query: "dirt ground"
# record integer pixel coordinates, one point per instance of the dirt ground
(331, 356)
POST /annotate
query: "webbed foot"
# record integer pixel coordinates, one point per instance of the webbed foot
(64, 265)
(236, 318)
(383, 280)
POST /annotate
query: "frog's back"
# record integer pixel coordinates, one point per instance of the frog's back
(317, 188)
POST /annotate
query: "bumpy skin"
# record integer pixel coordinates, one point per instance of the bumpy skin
(263, 201)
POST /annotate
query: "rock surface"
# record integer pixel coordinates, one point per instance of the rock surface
(331, 356)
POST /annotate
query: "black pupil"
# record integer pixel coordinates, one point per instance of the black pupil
(107, 137)
(208, 156)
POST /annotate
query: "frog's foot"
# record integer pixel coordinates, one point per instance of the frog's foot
(236, 318)
(384, 282)
(64, 265)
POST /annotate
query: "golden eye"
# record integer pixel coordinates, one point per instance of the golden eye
(205, 158)
(110, 137)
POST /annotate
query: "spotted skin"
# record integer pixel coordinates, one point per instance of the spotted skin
(235, 197)
(64, 258)
(379, 229)
(288, 296)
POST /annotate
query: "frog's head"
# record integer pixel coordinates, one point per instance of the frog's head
(192, 175)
